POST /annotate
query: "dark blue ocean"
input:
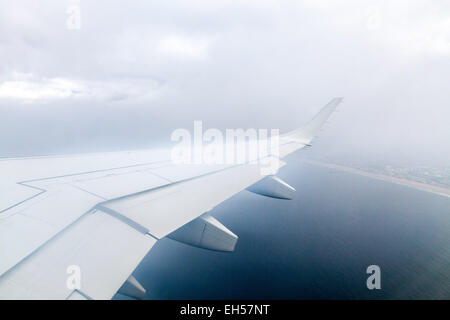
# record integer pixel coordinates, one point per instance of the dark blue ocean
(316, 246)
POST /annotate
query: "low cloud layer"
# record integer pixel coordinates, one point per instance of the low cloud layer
(101, 75)
(30, 88)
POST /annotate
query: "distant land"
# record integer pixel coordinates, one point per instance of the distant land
(408, 179)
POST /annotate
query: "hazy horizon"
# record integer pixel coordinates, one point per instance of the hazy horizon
(127, 75)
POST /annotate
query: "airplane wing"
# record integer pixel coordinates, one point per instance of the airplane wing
(76, 227)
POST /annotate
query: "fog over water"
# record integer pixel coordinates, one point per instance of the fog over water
(124, 76)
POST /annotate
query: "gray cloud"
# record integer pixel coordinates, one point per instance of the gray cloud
(134, 72)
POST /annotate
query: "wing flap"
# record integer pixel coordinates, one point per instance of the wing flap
(31, 224)
(105, 250)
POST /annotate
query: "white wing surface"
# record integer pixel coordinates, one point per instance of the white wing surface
(76, 227)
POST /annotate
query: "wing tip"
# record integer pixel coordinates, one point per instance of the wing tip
(338, 99)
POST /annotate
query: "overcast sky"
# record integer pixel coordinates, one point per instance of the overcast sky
(129, 72)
